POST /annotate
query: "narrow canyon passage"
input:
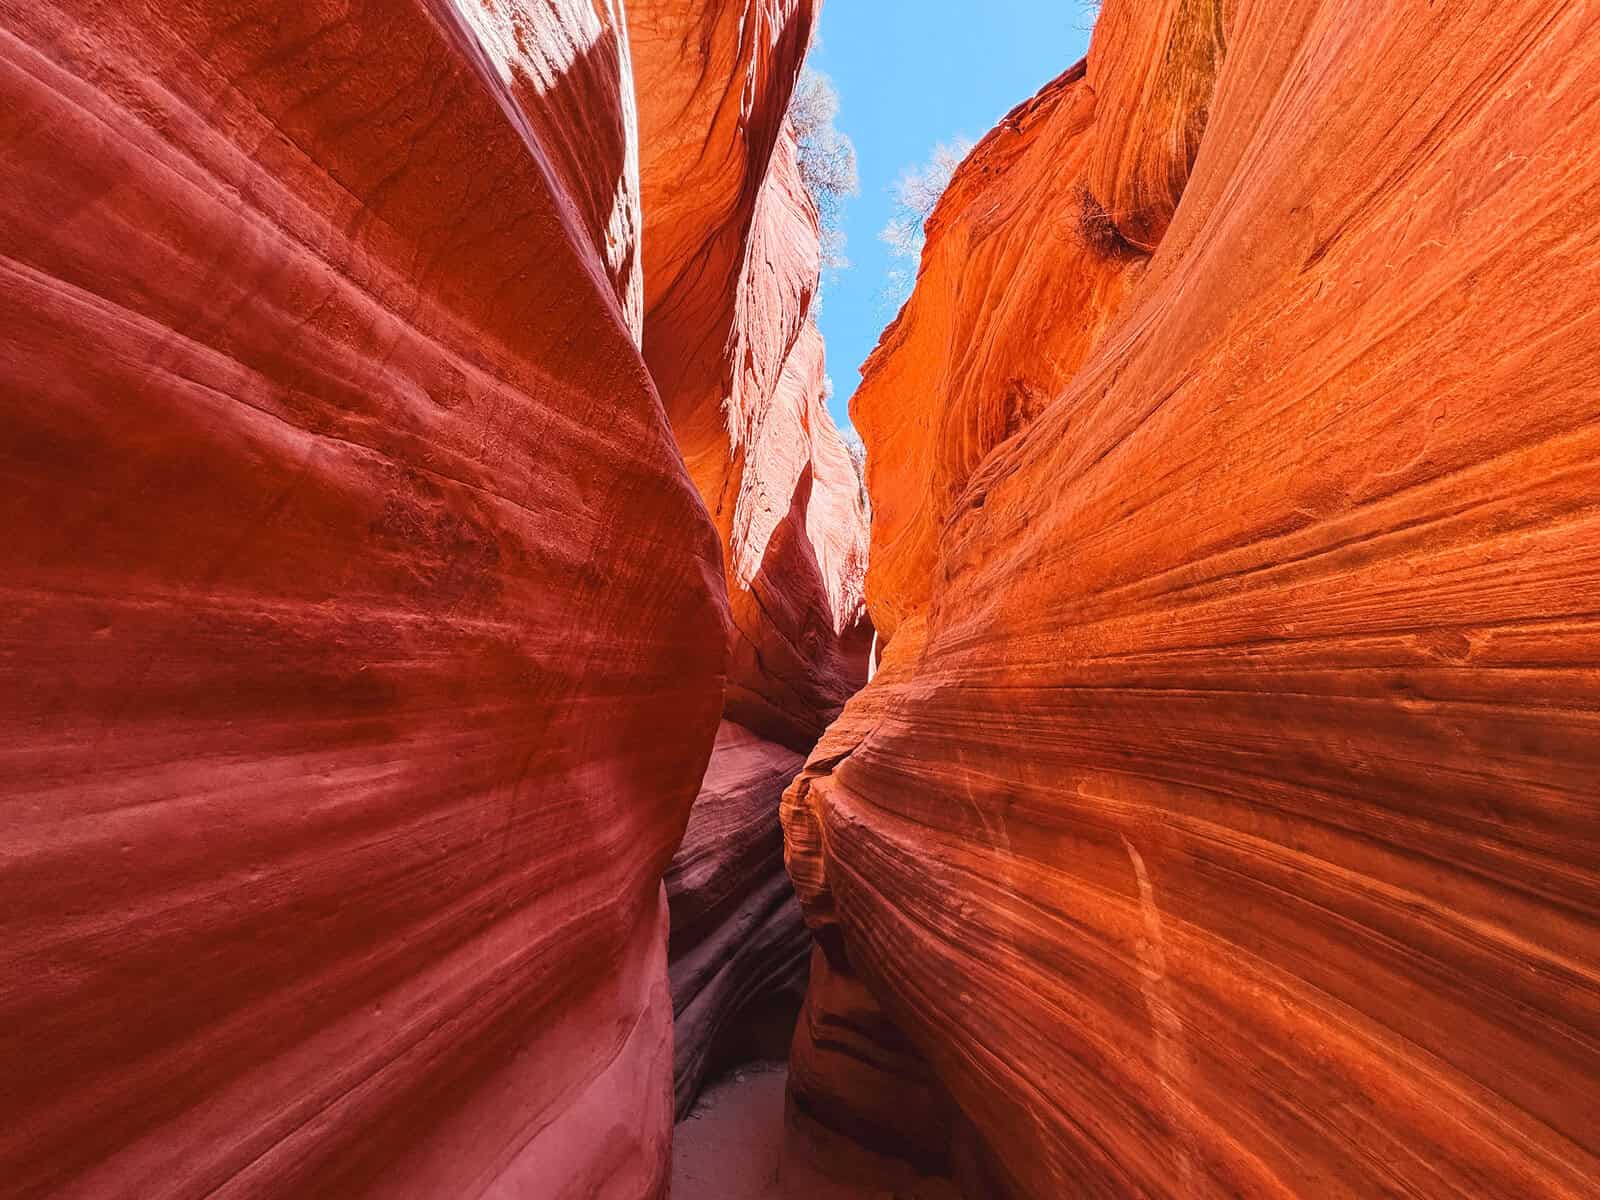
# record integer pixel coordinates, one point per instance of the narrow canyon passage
(471, 728)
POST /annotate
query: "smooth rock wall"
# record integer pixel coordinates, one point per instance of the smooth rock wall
(365, 634)
(1222, 822)
(732, 262)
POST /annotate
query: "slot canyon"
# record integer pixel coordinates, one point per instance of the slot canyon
(471, 724)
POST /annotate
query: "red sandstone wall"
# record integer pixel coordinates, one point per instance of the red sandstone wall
(731, 277)
(364, 635)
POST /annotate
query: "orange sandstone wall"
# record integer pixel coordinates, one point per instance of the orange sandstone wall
(731, 274)
(364, 635)
(1017, 284)
(1222, 821)
(714, 81)
(731, 263)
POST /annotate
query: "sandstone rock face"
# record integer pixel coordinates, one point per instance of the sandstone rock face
(797, 538)
(1016, 286)
(714, 81)
(731, 269)
(1222, 819)
(364, 639)
(738, 938)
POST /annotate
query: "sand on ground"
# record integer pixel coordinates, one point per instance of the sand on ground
(731, 1147)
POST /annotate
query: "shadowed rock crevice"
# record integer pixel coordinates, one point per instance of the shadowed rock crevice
(732, 263)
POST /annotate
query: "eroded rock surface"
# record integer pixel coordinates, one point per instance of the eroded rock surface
(738, 940)
(364, 636)
(731, 272)
(731, 269)
(1222, 820)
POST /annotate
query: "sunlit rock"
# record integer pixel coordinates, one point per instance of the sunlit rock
(1221, 822)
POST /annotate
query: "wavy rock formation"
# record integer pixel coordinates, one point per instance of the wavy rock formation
(364, 639)
(739, 945)
(1002, 319)
(714, 82)
(731, 268)
(1221, 821)
(797, 542)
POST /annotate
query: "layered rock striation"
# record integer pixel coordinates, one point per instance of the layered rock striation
(732, 260)
(739, 947)
(731, 268)
(368, 637)
(1221, 820)
(364, 640)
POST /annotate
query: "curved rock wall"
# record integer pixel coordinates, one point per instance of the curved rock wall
(364, 635)
(731, 272)
(738, 940)
(1015, 288)
(714, 81)
(797, 539)
(1221, 821)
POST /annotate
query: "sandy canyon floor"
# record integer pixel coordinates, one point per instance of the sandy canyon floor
(731, 1148)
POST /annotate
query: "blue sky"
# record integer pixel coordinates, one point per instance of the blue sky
(912, 74)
